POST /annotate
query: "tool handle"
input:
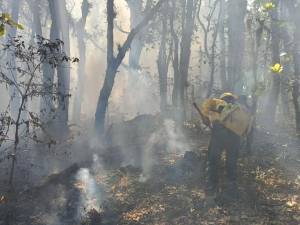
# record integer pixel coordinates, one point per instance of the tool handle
(205, 120)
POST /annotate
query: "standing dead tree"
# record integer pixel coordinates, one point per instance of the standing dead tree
(163, 61)
(182, 53)
(113, 62)
(211, 37)
(236, 43)
(81, 34)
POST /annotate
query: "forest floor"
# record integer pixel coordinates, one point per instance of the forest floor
(174, 193)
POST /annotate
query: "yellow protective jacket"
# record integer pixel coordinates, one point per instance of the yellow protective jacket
(233, 117)
(210, 108)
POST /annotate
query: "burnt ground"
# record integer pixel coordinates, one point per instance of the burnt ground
(174, 193)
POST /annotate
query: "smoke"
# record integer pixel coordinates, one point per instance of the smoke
(149, 159)
(136, 93)
(90, 194)
(167, 140)
(176, 140)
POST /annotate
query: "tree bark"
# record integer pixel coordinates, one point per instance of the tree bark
(223, 72)
(271, 106)
(60, 30)
(162, 65)
(236, 44)
(285, 79)
(210, 49)
(295, 18)
(63, 70)
(46, 103)
(185, 53)
(175, 61)
(296, 56)
(113, 63)
(80, 28)
(189, 10)
(136, 9)
(15, 97)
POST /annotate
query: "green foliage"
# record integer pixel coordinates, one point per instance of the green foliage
(5, 19)
(277, 68)
(269, 6)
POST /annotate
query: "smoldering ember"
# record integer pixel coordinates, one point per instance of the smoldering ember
(149, 112)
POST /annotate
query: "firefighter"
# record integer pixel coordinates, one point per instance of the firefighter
(222, 139)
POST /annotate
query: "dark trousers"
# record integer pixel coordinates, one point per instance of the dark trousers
(222, 139)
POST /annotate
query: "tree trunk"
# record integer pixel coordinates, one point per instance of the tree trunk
(236, 46)
(175, 60)
(63, 70)
(162, 65)
(61, 31)
(46, 103)
(222, 40)
(255, 43)
(136, 9)
(82, 63)
(15, 96)
(295, 17)
(285, 79)
(113, 63)
(181, 72)
(296, 56)
(136, 15)
(36, 12)
(271, 106)
(185, 53)
(212, 55)
(110, 71)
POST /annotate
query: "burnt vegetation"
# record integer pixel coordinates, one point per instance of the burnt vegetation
(104, 121)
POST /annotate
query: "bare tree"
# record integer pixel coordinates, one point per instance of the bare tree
(113, 62)
(163, 61)
(236, 46)
(181, 59)
(210, 49)
(80, 33)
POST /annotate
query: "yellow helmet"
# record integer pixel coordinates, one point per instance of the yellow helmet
(228, 94)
